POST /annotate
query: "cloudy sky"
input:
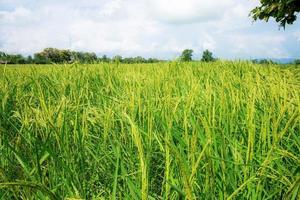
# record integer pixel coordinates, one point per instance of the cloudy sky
(150, 28)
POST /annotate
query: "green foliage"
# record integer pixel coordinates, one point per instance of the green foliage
(29, 60)
(297, 61)
(263, 61)
(11, 58)
(3, 58)
(284, 11)
(84, 57)
(139, 59)
(39, 58)
(153, 60)
(104, 58)
(186, 55)
(52, 55)
(222, 130)
(117, 59)
(207, 56)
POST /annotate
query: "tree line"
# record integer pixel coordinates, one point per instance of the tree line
(187, 54)
(58, 56)
(53, 55)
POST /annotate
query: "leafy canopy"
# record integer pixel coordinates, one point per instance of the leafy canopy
(207, 56)
(284, 11)
(186, 55)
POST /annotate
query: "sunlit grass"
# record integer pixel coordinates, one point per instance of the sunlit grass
(224, 130)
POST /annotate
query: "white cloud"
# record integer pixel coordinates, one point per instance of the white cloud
(259, 45)
(209, 43)
(188, 11)
(111, 7)
(161, 28)
(297, 35)
(18, 14)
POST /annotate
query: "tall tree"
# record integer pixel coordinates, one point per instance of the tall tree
(284, 11)
(3, 58)
(186, 55)
(29, 59)
(207, 56)
(117, 59)
(40, 58)
(104, 58)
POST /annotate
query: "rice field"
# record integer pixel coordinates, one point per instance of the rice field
(223, 130)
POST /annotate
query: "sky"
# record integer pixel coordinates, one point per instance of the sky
(148, 28)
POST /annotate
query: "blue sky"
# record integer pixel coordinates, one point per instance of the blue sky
(150, 28)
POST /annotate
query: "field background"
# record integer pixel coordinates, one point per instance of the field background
(223, 130)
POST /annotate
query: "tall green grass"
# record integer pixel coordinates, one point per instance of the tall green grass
(224, 130)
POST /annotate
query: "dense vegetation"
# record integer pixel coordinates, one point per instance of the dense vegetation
(59, 56)
(222, 130)
(284, 12)
(64, 56)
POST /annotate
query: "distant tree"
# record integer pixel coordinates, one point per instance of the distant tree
(117, 59)
(78, 56)
(207, 56)
(104, 58)
(18, 59)
(263, 61)
(84, 57)
(284, 11)
(40, 58)
(128, 60)
(266, 61)
(11, 58)
(53, 55)
(2, 54)
(66, 56)
(186, 55)
(3, 58)
(152, 60)
(29, 60)
(139, 59)
(297, 61)
(90, 57)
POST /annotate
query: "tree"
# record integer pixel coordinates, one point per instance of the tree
(152, 60)
(3, 58)
(58, 56)
(139, 59)
(117, 59)
(83, 57)
(186, 55)
(104, 58)
(284, 11)
(18, 59)
(29, 60)
(52, 54)
(11, 58)
(66, 56)
(40, 58)
(207, 56)
(128, 60)
(297, 61)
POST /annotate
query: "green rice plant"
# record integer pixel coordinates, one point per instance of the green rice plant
(222, 130)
